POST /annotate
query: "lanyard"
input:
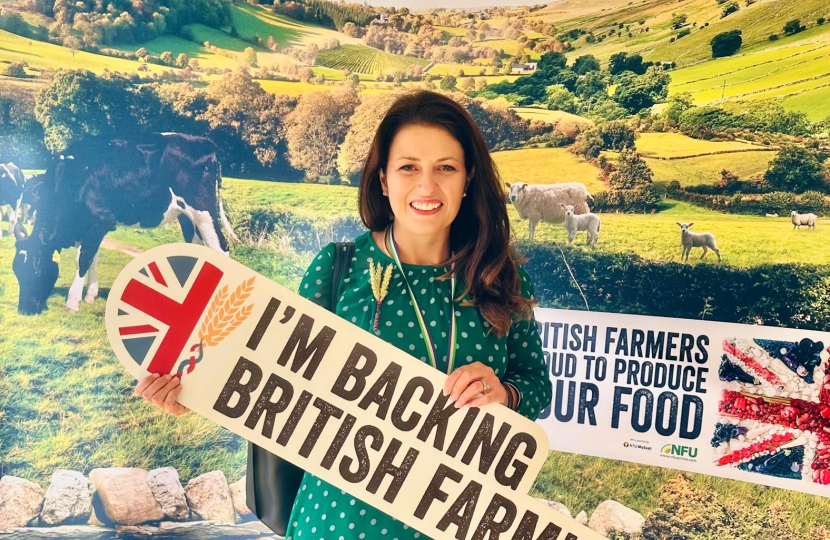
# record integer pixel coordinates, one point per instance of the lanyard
(393, 248)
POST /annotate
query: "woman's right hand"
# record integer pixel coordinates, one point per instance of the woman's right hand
(161, 391)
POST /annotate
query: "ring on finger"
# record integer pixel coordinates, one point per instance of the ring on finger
(485, 387)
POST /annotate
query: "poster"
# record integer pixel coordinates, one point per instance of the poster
(736, 401)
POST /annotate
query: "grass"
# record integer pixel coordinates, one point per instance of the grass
(677, 144)
(546, 115)
(656, 236)
(546, 166)
(251, 20)
(582, 482)
(291, 88)
(362, 59)
(705, 169)
(177, 45)
(14, 48)
(65, 401)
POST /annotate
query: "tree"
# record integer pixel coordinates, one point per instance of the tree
(182, 61)
(552, 61)
(591, 84)
(72, 43)
(704, 122)
(729, 8)
(726, 43)
(637, 93)
(585, 64)
(363, 125)
(271, 44)
(78, 103)
(588, 144)
(316, 128)
(793, 27)
(796, 169)
(632, 171)
(678, 104)
(15, 69)
(167, 58)
(448, 82)
(560, 99)
(679, 21)
(468, 84)
(239, 109)
(624, 62)
(249, 57)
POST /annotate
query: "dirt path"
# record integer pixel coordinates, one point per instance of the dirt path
(123, 248)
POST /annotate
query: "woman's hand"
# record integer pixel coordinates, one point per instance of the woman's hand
(162, 392)
(466, 381)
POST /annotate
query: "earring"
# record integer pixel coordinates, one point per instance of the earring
(385, 194)
(465, 194)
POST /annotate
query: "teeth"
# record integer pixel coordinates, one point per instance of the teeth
(426, 206)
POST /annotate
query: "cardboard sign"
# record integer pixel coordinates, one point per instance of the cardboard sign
(299, 381)
(738, 401)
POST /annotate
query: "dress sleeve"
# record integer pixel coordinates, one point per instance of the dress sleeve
(526, 367)
(316, 283)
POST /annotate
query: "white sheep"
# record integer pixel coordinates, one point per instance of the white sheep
(583, 222)
(689, 239)
(771, 215)
(803, 219)
(541, 202)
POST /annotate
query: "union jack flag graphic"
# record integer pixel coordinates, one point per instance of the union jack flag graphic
(170, 299)
(775, 409)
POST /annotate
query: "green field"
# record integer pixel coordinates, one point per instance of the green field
(676, 144)
(546, 115)
(177, 45)
(547, 166)
(251, 20)
(14, 48)
(362, 59)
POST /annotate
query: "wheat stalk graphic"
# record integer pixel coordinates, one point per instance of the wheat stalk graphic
(226, 313)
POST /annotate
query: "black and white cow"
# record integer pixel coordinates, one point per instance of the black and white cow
(12, 181)
(94, 185)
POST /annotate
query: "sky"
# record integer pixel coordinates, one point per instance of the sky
(467, 4)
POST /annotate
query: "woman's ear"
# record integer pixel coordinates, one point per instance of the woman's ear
(382, 176)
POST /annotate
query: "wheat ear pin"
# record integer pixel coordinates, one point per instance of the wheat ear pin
(379, 278)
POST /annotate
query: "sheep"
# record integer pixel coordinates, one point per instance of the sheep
(803, 219)
(584, 222)
(771, 215)
(689, 239)
(540, 202)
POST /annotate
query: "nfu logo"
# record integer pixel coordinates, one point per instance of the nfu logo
(679, 451)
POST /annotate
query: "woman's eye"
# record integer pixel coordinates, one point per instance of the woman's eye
(407, 167)
(448, 168)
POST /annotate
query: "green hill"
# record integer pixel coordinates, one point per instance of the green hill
(362, 59)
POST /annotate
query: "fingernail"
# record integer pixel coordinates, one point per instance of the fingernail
(156, 375)
(168, 376)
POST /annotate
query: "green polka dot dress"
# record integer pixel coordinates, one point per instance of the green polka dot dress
(325, 512)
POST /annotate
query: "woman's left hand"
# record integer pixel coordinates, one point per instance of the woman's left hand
(466, 381)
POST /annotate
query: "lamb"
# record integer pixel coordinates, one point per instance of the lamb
(541, 202)
(803, 219)
(584, 222)
(689, 239)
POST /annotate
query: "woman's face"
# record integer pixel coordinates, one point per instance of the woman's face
(425, 178)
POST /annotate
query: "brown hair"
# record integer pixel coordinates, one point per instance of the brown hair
(480, 233)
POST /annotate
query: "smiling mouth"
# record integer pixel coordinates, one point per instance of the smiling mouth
(428, 208)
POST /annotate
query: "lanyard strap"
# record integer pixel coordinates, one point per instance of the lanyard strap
(393, 248)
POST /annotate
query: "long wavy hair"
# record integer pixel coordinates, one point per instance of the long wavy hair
(480, 234)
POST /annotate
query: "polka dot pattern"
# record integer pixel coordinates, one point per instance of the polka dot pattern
(326, 511)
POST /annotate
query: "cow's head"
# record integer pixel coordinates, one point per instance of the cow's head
(516, 190)
(36, 270)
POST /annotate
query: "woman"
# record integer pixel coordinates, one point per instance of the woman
(434, 206)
